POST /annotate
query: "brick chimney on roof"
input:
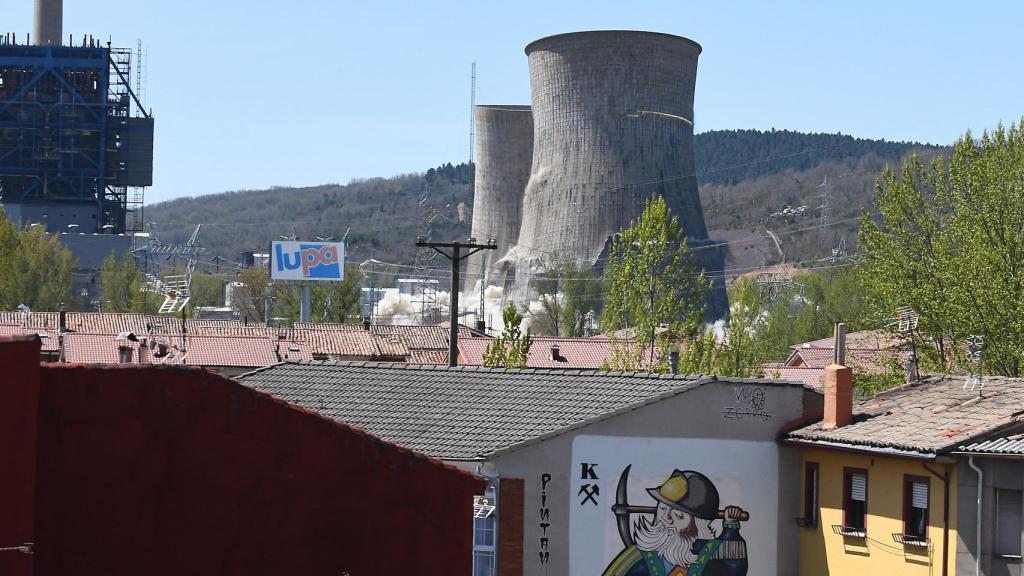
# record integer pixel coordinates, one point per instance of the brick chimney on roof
(555, 352)
(838, 382)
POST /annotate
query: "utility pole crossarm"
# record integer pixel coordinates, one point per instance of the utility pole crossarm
(456, 257)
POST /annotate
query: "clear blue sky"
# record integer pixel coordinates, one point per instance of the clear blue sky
(256, 94)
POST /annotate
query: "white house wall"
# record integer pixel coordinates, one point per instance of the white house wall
(724, 430)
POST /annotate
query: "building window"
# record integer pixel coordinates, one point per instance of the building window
(915, 507)
(1008, 522)
(810, 518)
(484, 534)
(855, 501)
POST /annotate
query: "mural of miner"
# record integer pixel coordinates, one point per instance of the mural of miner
(678, 539)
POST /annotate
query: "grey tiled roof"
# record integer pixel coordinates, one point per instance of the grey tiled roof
(1011, 445)
(933, 416)
(463, 412)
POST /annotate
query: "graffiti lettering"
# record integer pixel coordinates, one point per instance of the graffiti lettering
(545, 515)
(749, 404)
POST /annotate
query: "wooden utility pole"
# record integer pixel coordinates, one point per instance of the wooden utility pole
(456, 256)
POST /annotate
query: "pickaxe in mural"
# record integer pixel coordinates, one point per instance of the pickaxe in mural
(678, 539)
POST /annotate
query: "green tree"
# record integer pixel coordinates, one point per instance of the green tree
(37, 268)
(121, 284)
(330, 301)
(949, 242)
(251, 295)
(206, 290)
(568, 293)
(652, 283)
(511, 349)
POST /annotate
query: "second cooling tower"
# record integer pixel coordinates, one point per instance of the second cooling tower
(504, 152)
(613, 126)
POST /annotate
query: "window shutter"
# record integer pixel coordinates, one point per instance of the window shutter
(858, 487)
(919, 495)
(1008, 521)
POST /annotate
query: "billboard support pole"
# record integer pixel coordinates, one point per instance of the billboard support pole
(304, 309)
(456, 257)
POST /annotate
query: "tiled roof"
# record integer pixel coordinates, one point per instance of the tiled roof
(94, 348)
(932, 416)
(860, 359)
(811, 377)
(238, 351)
(358, 343)
(462, 412)
(48, 338)
(1009, 445)
(413, 337)
(226, 351)
(573, 353)
(343, 341)
(867, 339)
(436, 357)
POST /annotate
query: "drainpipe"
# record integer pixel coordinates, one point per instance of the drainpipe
(945, 514)
(977, 521)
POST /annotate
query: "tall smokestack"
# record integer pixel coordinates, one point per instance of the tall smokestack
(49, 23)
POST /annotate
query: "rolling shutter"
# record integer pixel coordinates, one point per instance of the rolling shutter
(919, 495)
(859, 487)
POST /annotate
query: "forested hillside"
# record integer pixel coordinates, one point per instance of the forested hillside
(732, 156)
(745, 175)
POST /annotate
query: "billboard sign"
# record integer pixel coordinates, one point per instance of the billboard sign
(297, 260)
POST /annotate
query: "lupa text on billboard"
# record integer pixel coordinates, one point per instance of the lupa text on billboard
(296, 260)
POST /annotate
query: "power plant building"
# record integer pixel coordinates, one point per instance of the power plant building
(76, 144)
(612, 118)
(504, 152)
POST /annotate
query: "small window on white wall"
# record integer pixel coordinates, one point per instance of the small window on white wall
(484, 534)
(1008, 522)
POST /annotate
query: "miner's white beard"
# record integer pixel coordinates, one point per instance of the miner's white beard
(675, 546)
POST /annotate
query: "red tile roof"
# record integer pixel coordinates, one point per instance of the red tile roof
(573, 353)
(808, 376)
(48, 337)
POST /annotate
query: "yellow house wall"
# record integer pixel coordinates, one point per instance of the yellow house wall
(822, 551)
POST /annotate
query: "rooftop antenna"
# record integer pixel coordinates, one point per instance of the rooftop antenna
(906, 322)
(472, 108)
(975, 343)
(823, 194)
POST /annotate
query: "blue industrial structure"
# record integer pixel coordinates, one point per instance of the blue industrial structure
(76, 144)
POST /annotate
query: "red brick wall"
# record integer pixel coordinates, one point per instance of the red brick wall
(510, 527)
(178, 471)
(19, 396)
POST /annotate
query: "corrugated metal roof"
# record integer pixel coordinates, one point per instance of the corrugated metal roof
(1010, 445)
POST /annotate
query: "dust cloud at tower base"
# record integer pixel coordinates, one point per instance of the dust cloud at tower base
(612, 126)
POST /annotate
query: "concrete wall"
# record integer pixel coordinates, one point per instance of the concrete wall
(997, 474)
(724, 430)
(822, 551)
(613, 114)
(172, 471)
(504, 152)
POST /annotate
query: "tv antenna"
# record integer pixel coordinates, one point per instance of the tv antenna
(975, 344)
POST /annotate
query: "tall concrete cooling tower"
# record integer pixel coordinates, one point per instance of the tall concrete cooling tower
(613, 126)
(504, 152)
